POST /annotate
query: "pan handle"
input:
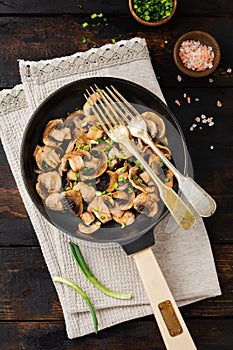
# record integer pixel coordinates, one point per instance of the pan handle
(169, 319)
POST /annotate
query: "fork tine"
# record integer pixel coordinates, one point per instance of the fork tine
(99, 113)
(110, 104)
(129, 106)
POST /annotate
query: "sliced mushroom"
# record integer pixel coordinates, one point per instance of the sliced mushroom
(54, 133)
(135, 180)
(155, 124)
(91, 101)
(100, 209)
(89, 229)
(144, 204)
(95, 133)
(127, 218)
(124, 199)
(47, 158)
(72, 200)
(95, 165)
(54, 201)
(87, 192)
(87, 218)
(74, 123)
(113, 176)
(48, 183)
(165, 150)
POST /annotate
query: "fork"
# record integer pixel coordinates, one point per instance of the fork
(114, 127)
(200, 200)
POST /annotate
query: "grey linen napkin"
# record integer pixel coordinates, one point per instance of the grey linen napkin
(184, 257)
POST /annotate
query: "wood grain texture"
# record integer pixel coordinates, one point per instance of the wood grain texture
(48, 37)
(27, 293)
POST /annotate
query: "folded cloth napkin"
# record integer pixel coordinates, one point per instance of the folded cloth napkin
(185, 257)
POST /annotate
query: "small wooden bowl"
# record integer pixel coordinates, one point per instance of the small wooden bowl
(152, 23)
(204, 38)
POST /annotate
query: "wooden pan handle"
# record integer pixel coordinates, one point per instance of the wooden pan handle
(169, 319)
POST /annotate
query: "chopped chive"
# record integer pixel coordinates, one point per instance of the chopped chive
(109, 161)
(103, 192)
(86, 148)
(111, 142)
(130, 160)
(130, 190)
(99, 140)
(108, 147)
(161, 164)
(98, 193)
(167, 179)
(63, 211)
(94, 45)
(77, 175)
(135, 177)
(85, 24)
(46, 166)
(123, 225)
(84, 40)
(75, 183)
(137, 163)
(120, 179)
(94, 15)
(68, 188)
(100, 152)
(102, 217)
(121, 155)
(96, 208)
(100, 14)
(80, 145)
(140, 180)
(94, 128)
(115, 185)
(79, 6)
(86, 169)
(114, 41)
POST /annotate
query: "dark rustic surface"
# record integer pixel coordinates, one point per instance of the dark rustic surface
(30, 313)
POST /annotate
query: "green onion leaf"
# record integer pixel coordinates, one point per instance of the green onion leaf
(167, 179)
(84, 40)
(86, 169)
(83, 294)
(85, 24)
(86, 148)
(84, 268)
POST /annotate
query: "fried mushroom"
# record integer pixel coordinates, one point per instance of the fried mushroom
(155, 124)
(47, 183)
(89, 229)
(144, 204)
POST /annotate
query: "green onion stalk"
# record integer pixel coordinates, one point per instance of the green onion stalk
(84, 268)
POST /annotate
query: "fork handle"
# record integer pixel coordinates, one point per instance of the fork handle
(200, 200)
(173, 202)
(169, 319)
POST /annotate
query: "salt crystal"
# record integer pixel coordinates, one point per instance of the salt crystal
(203, 116)
(166, 41)
(204, 121)
(185, 95)
(229, 70)
(179, 78)
(188, 100)
(177, 102)
(197, 99)
(211, 147)
(197, 119)
(211, 80)
(211, 123)
(219, 104)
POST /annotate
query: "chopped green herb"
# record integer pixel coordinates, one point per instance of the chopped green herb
(135, 177)
(115, 185)
(96, 208)
(121, 155)
(167, 179)
(75, 183)
(46, 166)
(100, 152)
(140, 180)
(79, 6)
(161, 164)
(67, 113)
(108, 147)
(84, 40)
(102, 217)
(94, 128)
(86, 169)
(68, 188)
(123, 225)
(153, 10)
(103, 192)
(111, 142)
(94, 45)
(130, 160)
(80, 145)
(63, 211)
(99, 140)
(100, 15)
(77, 175)
(114, 41)
(91, 183)
(137, 163)
(130, 190)
(109, 161)
(120, 179)
(105, 19)
(94, 15)
(86, 148)
(85, 24)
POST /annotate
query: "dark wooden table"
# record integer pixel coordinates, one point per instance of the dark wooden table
(30, 313)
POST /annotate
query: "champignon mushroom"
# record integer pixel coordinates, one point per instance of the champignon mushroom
(87, 218)
(95, 133)
(155, 124)
(124, 199)
(113, 176)
(87, 192)
(95, 165)
(100, 209)
(91, 101)
(54, 134)
(89, 229)
(54, 201)
(47, 158)
(72, 200)
(74, 123)
(135, 179)
(145, 205)
(127, 218)
(48, 183)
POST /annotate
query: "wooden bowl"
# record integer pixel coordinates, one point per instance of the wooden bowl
(204, 38)
(152, 23)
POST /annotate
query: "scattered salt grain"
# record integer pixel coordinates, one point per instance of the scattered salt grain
(229, 70)
(165, 41)
(203, 116)
(196, 56)
(204, 121)
(211, 123)
(188, 99)
(219, 104)
(211, 147)
(177, 102)
(197, 99)
(179, 78)
(211, 80)
(197, 119)
(185, 95)
(200, 127)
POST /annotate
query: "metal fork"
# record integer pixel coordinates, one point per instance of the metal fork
(200, 200)
(114, 127)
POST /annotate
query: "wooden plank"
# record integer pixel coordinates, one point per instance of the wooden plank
(27, 293)
(215, 334)
(47, 37)
(113, 7)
